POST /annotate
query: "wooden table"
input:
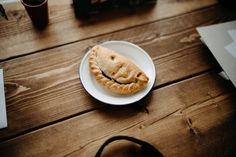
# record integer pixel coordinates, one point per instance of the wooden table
(190, 112)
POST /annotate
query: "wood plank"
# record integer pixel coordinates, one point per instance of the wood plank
(18, 37)
(197, 120)
(43, 88)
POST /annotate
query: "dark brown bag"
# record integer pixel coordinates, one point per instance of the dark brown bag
(147, 150)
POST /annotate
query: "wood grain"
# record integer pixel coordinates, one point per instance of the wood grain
(18, 37)
(197, 120)
(44, 88)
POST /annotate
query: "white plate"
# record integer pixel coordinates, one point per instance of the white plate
(131, 51)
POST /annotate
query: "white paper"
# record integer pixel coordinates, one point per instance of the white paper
(3, 115)
(221, 41)
(231, 48)
(232, 33)
(8, 1)
(223, 75)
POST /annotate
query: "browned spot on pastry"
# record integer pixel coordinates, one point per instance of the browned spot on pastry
(112, 57)
(139, 74)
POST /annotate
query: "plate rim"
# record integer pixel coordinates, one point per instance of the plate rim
(117, 103)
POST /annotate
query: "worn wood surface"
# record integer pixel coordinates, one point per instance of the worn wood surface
(18, 37)
(35, 82)
(189, 112)
(192, 122)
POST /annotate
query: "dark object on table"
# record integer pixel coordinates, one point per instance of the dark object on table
(33, 2)
(37, 11)
(84, 8)
(2, 12)
(147, 150)
(228, 3)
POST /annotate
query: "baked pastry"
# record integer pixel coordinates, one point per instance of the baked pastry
(116, 72)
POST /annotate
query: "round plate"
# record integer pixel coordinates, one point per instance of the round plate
(131, 51)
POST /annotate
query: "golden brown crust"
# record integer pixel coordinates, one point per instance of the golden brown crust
(115, 72)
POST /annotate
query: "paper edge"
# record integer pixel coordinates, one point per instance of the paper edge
(4, 116)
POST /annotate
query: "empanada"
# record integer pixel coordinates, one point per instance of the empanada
(116, 72)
